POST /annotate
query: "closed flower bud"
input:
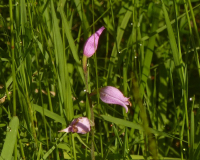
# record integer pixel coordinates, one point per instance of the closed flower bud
(92, 42)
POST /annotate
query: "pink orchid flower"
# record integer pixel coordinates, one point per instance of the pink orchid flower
(92, 42)
(78, 125)
(112, 95)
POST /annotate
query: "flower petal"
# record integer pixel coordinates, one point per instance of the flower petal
(68, 129)
(83, 125)
(114, 92)
(92, 42)
(112, 95)
(78, 125)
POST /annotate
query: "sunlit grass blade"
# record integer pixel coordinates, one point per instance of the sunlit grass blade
(50, 114)
(123, 122)
(11, 138)
(72, 44)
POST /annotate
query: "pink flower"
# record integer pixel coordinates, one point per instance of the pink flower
(92, 42)
(78, 125)
(112, 95)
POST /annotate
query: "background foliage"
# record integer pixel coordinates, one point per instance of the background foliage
(154, 44)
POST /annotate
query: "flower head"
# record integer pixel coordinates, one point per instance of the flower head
(112, 95)
(92, 42)
(78, 125)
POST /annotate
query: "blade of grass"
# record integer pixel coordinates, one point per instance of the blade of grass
(72, 44)
(10, 140)
(126, 123)
(165, 26)
(79, 6)
(13, 56)
(179, 65)
(49, 114)
(120, 32)
(197, 152)
(192, 131)
(192, 35)
(149, 52)
(196, 33)
(176, 55)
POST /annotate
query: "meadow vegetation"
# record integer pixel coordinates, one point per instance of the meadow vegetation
(149, 50)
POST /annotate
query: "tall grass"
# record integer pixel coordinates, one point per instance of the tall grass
(149, 50)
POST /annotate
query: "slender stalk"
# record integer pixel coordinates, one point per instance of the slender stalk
(185, 80)
(13, 68)
(30, 110)
(107, 41)
(13, 57)
(84, 63)
(91, 114)
(21, 147)
(91, 108)
(39, 152)
(73, 144)
(90, 104)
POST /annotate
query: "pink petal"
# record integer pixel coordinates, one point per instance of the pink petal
(83, 125)
(78, 125)
(68, 129)
(92, 42)
(112, 91)
(111, 100)
(112, 95)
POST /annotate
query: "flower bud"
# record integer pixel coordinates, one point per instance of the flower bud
(92, 42)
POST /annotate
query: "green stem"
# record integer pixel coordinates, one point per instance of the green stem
(73, 144)
(21, 147)
(92, 127)
(84, 62)
(13, 58)
(90, 104)
(30, 109)
(39, 152)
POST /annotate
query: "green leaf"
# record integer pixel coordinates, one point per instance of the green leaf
(123, 122)
(11, 138)
(177, 57)
(49, 114)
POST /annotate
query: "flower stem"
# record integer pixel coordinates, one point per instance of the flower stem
(84, 62)
(92, 127)
(13, 57)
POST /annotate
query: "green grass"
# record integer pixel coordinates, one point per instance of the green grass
(149, 50)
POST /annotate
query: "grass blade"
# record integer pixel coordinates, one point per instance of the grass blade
(10, 140)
